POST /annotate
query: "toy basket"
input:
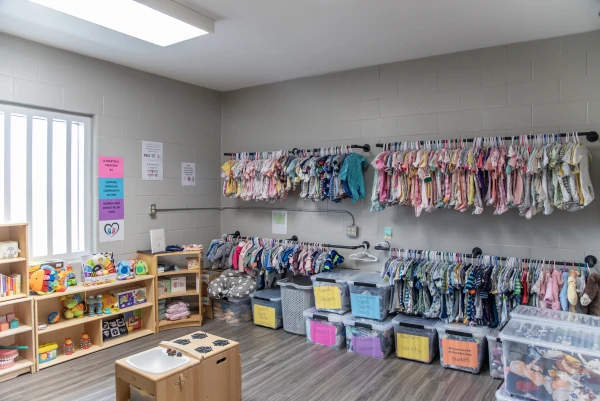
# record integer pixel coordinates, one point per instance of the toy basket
(296, 297)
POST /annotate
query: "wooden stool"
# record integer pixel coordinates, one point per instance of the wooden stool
(214, 372)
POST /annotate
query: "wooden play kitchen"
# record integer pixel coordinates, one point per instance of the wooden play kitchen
(198, 366)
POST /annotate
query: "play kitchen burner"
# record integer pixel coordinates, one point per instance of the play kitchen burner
(190, 368)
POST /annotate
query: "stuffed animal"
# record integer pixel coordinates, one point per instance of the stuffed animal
(71, 278)
(141, 268)
(125, 269)
(590, 295)
(43, 279)
(73, 306)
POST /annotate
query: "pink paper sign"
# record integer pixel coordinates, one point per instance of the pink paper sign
(367, 346)
(322, 333)
(110, 167)
(111, 209)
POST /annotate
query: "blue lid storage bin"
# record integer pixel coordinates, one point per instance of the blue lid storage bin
(369, 296)
(332, 292)
(266, 308)
(416, 338)
(296, 297)
(325, 328)
(369, 337)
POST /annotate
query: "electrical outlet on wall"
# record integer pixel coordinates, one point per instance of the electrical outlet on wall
(352, 231)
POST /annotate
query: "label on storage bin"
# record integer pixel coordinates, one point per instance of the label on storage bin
(264, 316)
(460, 353)
(365, 306)
(322, 333)
(328, 297)
(412, 347)
(370, 346)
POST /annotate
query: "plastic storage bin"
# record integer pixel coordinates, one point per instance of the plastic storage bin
(370, 296)
(495, 354)
(502, 395)
(332, 292)
(546, 360)
(416, 338)
(233, 310)
(462, 347)
(531, 312)
(296, 297)
(266, 308)
(369, 337)
(325, 328)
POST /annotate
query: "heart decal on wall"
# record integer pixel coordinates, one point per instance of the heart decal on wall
(111, 229)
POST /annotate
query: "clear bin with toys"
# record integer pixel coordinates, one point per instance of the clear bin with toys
(233, 310)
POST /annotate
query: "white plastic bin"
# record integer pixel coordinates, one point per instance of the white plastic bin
(266, 308)
(369, 337)
(233, 310)
(462, 347)
(562, 317)
(370, 296)
(416, 338)
(495, 354)
(502, 395)
(332, 292)
(546, 360)
(325, 328)
(296, 297)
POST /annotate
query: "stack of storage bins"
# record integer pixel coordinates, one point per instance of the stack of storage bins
(266, 308)
(332, 292)
(296, 297)
(462, 347)
(416, 338)
(325, 328)
(551, 359)
(369, 337)
(369, 296)
(502, 395)
(495, 354)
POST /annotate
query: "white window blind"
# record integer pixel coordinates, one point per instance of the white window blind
(45, 179)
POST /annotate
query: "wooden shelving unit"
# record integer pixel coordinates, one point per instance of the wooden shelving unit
(193, 276)
(92, 325)
(20, 304)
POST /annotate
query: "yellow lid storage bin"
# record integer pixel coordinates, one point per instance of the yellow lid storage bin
(47, 352)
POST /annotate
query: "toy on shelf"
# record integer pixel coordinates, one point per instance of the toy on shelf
(47, 352)
(107, 311)
(98, 304)
(9, 249)
(71, 277)
(4, 326)
(7, 358)
(8, 321)
(192, 248)
(44, 326)
(125, 269)
(124, 298)
(98, 269)
(73, 306)
(139, 296)
(53, 317)
(141, 268)
(91, 300)
(108, 300)
(43, 279)
(85, 341)
(68, 346)
(14, 324)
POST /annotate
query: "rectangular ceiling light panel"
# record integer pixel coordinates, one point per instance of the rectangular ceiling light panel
(162, 26)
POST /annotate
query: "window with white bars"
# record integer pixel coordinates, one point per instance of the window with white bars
(45, 179)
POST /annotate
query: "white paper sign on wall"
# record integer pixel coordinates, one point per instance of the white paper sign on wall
(279, 222)
(152, 160)
(111, 230)
(188, 174)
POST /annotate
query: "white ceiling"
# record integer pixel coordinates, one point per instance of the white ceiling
(261, 41)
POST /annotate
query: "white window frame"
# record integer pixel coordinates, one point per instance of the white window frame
(30, 113)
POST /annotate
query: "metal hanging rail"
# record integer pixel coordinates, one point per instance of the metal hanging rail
(154, 210)
(364, 245)
(365, 148)
(591, 136)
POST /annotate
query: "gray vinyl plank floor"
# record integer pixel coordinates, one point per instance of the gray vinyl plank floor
(276, 366)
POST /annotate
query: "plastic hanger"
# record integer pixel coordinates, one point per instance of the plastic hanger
(364, 256)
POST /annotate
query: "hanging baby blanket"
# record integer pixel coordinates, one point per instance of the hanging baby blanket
(534, 176)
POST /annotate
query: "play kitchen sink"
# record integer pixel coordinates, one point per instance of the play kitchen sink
(198, 366)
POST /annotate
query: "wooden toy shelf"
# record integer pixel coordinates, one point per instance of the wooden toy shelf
(92, 325)
(194, 295)
(20, 304)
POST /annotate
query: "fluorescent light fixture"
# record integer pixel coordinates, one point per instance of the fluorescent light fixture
(162, 22)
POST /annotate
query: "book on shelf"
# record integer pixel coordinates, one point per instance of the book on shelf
(10, 285)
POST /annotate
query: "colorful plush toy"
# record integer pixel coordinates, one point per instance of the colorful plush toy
(141, 268)
(53, 317)
(43, 279)
(73, 306)
(125, 269)
(108, 300)
(71, 278)
(98, 265)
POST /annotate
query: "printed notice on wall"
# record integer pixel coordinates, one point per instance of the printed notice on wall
(152, 160)
(409, 346)
(279, 223)
(460, 353)
(188, 174)
(328, 297)
(111, 199)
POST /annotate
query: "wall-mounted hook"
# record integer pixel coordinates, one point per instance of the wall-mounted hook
(591, 259)
(477, 251)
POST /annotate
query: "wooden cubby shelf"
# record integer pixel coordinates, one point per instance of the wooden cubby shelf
(20, 304)
(193, 277)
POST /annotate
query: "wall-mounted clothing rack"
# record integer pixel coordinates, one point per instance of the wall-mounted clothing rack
(591, 136)
(365, 148)
(154, 210)
(364, 245)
